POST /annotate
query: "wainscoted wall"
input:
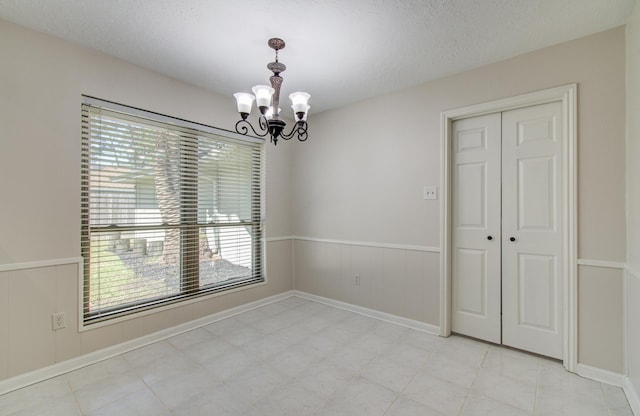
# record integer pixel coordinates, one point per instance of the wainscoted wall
(29, 295)
(600, 317)
(632, 338)
(402, 281)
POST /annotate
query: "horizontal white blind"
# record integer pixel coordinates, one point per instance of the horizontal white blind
(168, 212)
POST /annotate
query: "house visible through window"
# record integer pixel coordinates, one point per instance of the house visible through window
(170, 210)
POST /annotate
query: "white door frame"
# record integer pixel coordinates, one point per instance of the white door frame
(567, 95)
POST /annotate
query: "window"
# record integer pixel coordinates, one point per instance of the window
(170, 210)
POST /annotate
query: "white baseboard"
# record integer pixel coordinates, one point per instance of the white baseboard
(615, 379)
(54, 370)
(598, 374)
(632, 396)
(383, 316)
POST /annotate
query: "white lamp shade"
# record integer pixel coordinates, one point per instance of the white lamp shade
(263, 95)
(244, 101)
(299, 101)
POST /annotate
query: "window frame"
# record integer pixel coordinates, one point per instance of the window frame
(187, 294)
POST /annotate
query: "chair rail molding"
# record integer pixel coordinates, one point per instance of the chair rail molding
(410, 247)
(40, 263)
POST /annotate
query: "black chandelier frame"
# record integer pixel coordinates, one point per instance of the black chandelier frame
(275, 128)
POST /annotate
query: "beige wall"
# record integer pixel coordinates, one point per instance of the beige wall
(360, 178)
(41, 83)
(633, 199)
(600, 318)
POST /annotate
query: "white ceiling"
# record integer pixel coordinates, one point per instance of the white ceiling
(340, 51)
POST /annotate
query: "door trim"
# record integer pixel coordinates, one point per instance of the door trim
(567, 95)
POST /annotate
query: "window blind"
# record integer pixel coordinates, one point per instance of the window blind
(169, 211)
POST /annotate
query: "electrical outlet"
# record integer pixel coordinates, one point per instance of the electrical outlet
(58, 321)
(430, 192)
(357, 279)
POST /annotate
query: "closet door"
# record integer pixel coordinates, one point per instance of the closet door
(532, 229)
(475, 303)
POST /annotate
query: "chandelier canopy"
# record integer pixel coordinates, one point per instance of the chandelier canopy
(267, 99)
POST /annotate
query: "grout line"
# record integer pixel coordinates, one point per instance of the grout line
(73, 394)
(400, 393)
(386, 412)
(148, 387)
(466, 397)
(606, 399)
(535, 392)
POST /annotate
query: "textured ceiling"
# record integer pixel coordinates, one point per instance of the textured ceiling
(340, 51)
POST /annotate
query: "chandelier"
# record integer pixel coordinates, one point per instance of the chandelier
(268, 100)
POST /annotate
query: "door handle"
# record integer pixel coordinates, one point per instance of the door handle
(512, 239)
(489, 238)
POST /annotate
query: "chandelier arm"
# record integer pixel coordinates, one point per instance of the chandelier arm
(302, 131)
(300, 128)
(264, 124)
(241, 127)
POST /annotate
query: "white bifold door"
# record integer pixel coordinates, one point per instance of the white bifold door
(507, 228)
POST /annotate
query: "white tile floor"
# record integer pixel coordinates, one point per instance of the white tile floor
(297, 357)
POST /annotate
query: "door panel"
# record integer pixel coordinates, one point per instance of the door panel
(475, 216)
(536, 291)
(534, 129)
(471, 195)
(536, 194)
(532, 189)
(472, 276)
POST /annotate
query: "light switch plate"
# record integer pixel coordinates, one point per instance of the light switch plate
(430, 192)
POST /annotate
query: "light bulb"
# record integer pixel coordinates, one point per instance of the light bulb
(269, 113)
(297, 113)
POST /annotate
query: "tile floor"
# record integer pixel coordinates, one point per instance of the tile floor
(298, 357)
